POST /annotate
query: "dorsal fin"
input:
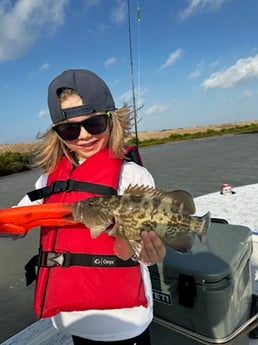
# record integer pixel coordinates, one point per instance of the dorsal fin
(144, 190)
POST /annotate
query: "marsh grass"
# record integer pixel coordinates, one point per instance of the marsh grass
(13, 162)
(22, 147)
(15, 158)
(18, 157)
(166, 136)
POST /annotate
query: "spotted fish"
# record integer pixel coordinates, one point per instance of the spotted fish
(169, 214)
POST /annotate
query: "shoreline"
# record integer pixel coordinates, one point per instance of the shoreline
(144, 135)
(160, 134)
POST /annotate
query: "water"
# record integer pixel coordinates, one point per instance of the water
(199, 166)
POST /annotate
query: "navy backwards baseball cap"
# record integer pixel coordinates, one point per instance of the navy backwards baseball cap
(94, 92)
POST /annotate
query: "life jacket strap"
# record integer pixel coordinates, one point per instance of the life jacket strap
(132, 154)
(68, 186)
(51, 259)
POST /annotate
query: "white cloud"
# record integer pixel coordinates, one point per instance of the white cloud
(202, 67)
(199, 6)
(156, 109)
(198, 70)
(119, 14)
(248, 94)
(195, 74)
(26, 20)
(241, 71)
(43, 113)
(109, 62)
(173, 57)
(91, 3)
(127, 97)
(215, 63)
(44, 67)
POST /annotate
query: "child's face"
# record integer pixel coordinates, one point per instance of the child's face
(86, 144)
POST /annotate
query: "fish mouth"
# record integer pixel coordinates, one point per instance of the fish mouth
(110, 227)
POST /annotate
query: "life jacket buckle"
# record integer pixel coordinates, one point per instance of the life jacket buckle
(60, 186)
(53, 259)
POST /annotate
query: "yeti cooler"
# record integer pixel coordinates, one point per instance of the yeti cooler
(207, 290)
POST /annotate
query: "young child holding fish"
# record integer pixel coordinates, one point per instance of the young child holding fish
(85, 288)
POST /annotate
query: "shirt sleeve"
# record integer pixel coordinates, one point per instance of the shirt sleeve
(40, 183)
(134, 174)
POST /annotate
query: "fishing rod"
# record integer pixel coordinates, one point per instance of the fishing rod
(132, 72)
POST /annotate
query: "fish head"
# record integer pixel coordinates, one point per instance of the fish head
(95, 213)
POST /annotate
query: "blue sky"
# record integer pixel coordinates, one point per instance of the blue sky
(195, 61)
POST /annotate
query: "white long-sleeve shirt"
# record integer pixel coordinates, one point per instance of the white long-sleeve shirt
(113, 324)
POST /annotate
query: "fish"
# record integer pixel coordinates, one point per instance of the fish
(141, 208)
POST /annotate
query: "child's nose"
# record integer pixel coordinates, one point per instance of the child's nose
(83, 133)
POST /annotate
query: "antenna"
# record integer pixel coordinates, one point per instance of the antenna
(132, 75)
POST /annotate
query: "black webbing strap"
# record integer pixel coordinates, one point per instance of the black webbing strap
(133, 155)
(30, 270)
(67, 259)
(68, 186)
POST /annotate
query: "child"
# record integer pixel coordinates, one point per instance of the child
(80, 283)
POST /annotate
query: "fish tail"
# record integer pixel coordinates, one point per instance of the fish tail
(205, 221)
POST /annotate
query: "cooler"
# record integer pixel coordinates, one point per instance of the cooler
(207, 290)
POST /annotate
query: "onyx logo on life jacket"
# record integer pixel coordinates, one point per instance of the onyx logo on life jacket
(105, 261)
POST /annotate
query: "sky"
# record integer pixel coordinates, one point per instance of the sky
(191, 63)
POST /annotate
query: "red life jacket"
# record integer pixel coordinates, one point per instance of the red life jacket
(102, 281)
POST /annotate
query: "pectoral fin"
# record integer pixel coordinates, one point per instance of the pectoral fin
(122, 247)
(96, 230)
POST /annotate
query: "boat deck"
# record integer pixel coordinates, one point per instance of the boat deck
(240, 207)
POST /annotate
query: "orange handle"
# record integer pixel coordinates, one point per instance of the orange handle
(18, 220)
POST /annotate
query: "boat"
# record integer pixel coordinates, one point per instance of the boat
(234, 206)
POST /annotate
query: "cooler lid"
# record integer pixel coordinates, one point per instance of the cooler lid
(225, 248)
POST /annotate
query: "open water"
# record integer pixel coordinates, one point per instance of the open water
(199, 166)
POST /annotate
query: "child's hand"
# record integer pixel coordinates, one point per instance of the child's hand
(153, 249)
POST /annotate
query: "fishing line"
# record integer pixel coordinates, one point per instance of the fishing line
(139, 54)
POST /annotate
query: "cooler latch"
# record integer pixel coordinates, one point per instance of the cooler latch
(186, 290)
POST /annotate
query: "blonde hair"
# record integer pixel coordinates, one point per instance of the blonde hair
(52, 148)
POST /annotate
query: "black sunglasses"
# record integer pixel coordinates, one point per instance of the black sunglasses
(71, 130)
